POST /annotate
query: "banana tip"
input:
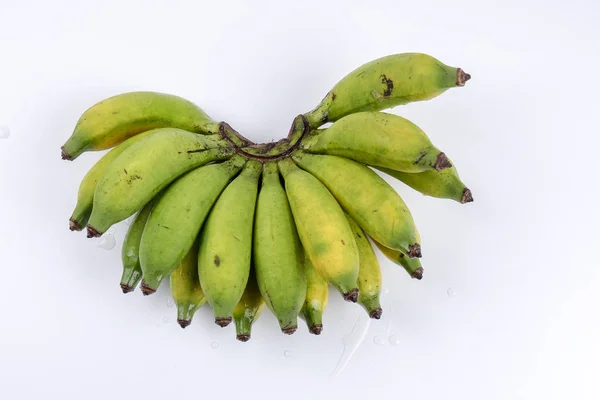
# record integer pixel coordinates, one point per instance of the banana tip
(93, 232)
(442, 162)
(126, 288)
(418, 274)
(414, 250)
(243, 337)
(352, 295)
(64, 155)
(376, 313)
(74, 225)
(146, 290)
(316, 329)
(290, 329)
(223, 322)
(467, 196)
(184, 323)
(461, 77)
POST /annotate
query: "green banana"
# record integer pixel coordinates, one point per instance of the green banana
(385, 83)
(130, 252)
(144, 169)
(226, 244)
(369, 275)
(369, 199)
(411, 265)
(277, 252)
(379, 139)
(317, 294)
(85, 195)
(185, 288)
(248, 309)
(445, 184)
(113, 120)
(323, 229)
(177, 218)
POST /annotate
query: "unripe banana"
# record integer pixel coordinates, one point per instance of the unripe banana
(185, 288)
(378, 139)
(369, 275)
(85, 195)
(144, 169)
(369, 199)
(411, 265)
(113, 120)
(323, 229)
(130, 252)
(445, 184)
(277, 252)
(226, 244)
(248, 309)
(177, 218)
(317, 294)
(387, 82)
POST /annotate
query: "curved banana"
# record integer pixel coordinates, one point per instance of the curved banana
(226, 244)
(144, 169)
(113, 120)
(411, 265)
(277, 252)
(317, 294)
(185, 288)
(385, 83)
(378, 139)
(85, 195)
(323, 229)
(248, 309)
(130, 252)
(369, 199)
(177, 218)
(445, 184)
(369, 275)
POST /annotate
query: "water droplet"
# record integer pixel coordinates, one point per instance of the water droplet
(4, 132)
(107, 241)
(352, 342)
(394, 340)
(287, 353)
(170, 302)
(214, 345)
(378, 340)
(158, 325)
(451, 292)
(166, 319)
(386, 291)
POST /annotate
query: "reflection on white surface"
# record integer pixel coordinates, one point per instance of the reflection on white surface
(107, 240)
(352, 342)
(4, 132)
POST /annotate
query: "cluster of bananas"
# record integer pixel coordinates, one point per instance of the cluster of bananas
(240, 225)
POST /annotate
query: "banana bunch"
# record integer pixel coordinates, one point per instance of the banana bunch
(240, 225)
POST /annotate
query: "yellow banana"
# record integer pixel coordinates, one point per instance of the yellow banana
(277, 252)
(317, 294)
(226, 244)
(248, 309)
(323, 229)
(144, 169)
(378, 139)
(113, 120)
(387, 82)
(369, 199)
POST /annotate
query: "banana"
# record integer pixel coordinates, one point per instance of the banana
(323, 229)
(185, 288)
(369, 199)
(85, 195)
(445, 184)
(369, 275)
(411, 265)
(317, 293)
(130, 252)
(379, 139)
(387, 82)
(248, 309)
(277, 252)
(177, 218)
(226, 244)
(144, 169)
(113, 120)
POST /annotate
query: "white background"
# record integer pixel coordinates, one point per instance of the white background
(508, 307)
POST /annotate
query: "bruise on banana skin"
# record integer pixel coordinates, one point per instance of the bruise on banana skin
(389, 86)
